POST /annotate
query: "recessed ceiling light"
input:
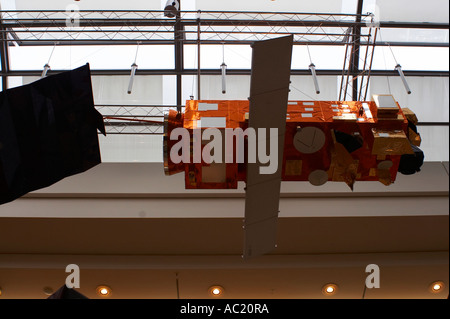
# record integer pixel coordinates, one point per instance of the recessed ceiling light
(48, 291)
(216, 291)
(437, 287)
(103, 291)
(329, 289)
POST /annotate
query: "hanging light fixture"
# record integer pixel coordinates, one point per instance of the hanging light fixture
(44, 72)
(47, 65)
(223, 67)
(133, 73)
(398, 67)
(134, 67)
(312, 68)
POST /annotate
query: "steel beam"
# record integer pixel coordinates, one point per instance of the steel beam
(305, 72)
(4, 57)
(179, 37)
(354, 59)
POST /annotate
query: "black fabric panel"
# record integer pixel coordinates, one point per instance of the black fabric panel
(67, 293)
(48, 131)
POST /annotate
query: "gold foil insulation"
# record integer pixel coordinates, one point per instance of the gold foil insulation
(384, 140)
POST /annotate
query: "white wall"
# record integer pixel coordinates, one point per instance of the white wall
(143, 191)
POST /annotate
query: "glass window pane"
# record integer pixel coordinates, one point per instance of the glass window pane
(302, 88)
(237, 87)
(322, 6)
(211, 56)
(240, 57)
(435, 143)
(113, 90)
(409, 10)
(124, 148)
(88, 5)
(411, 58)
(147, 90)
(99, 57)
(412, 35)
(324, 57)
(429, 98)
(328, 6)
(15, 81)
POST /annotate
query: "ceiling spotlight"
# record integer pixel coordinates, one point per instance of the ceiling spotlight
(437, 287)
(329, 289)
(0, 291)
(103, 291)
(172, 8)
(216, 291)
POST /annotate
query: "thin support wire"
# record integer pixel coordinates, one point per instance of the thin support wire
(47, 65)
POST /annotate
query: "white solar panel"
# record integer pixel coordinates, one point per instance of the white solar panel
(269, 93)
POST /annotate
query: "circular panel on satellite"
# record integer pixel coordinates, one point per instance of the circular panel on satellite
(385, 165)
(318, 177)
(309, 140)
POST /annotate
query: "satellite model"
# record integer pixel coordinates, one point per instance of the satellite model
(315, 141)
(48, 131)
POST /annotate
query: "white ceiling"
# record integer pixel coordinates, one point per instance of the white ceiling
(136, 190)
(142, 258)
(130, 227)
